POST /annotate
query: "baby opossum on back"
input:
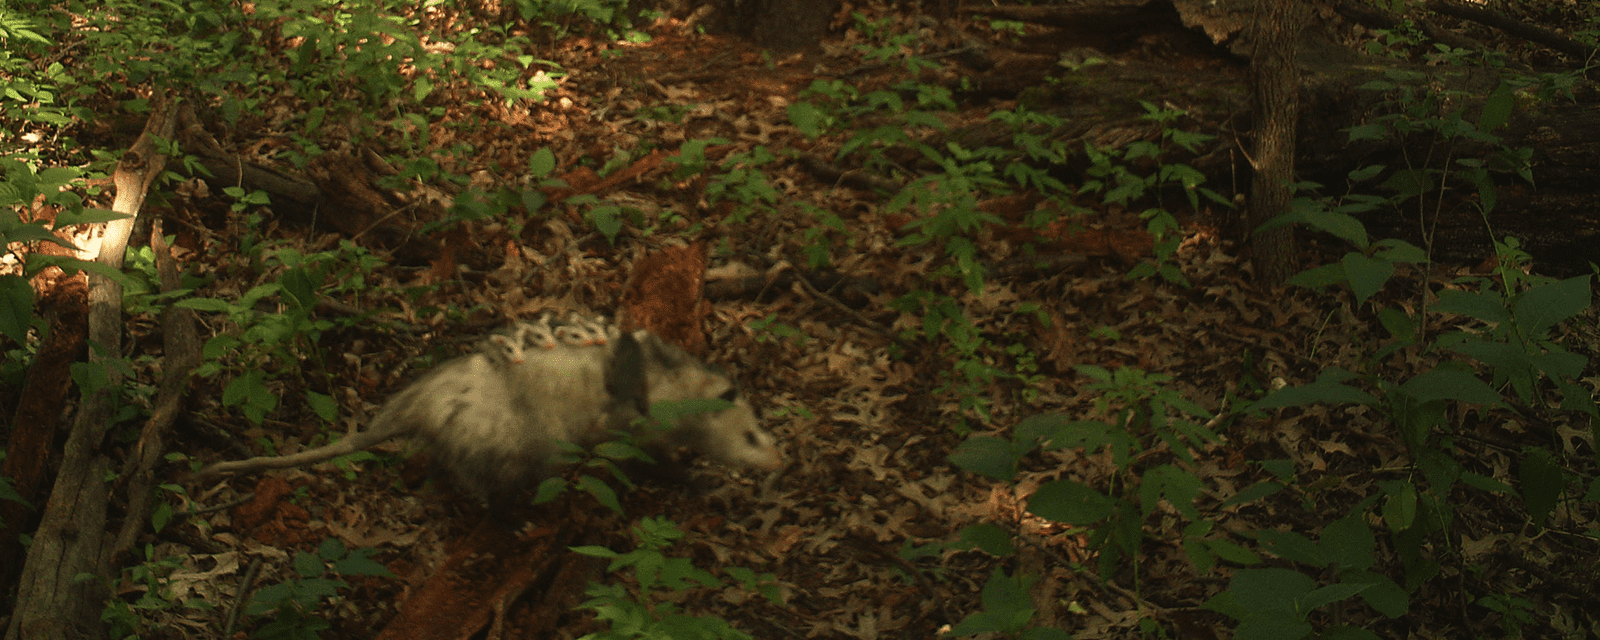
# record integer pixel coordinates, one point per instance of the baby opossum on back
(495, 418)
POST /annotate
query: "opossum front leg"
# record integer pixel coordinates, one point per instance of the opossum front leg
(625, 375)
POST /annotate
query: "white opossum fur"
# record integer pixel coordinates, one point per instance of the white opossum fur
(494, 418)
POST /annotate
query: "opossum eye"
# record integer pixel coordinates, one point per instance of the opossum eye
(751, 439)
(731, 394)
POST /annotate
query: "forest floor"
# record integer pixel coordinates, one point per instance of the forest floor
(837, 352)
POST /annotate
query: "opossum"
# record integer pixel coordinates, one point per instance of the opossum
(495, 418)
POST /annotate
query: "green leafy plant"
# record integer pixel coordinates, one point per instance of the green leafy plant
(1396, 43)
(606, 218)
(691, 157)
(1145, 412)
(293, 603)
(1502, 333)
(742, 183)
(820, 237)
(1514, 347)
(830, 104)
(1012, 27)
(23, 187)
(1007, 611)
(1142, 406)
(646, 611)
(1278, 602)
(1119, 184)
(1418, 510)
(770, 329)
(945, 323)
(600, 11)
(31, 96)
(1508, 339)
(614, 458)
(141, 290)
(1036, 151)
(1268, 602)
(885, 46)
(243, 200)
(1515, 611)
(150, 579)
(946, 201)
(287, 336)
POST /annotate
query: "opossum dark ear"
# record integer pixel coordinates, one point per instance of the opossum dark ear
(625, 379)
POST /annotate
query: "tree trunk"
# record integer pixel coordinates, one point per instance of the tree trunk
(1275, 82)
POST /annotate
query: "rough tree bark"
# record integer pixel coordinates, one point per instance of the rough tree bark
(54, 601)
(1275, 84)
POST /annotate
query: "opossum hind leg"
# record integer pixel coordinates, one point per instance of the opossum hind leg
(501, 479)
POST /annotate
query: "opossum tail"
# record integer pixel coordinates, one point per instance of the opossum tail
(404, 414)
(350, 444)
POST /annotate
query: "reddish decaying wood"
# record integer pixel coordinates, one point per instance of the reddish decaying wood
(34, 426)
(266, 501)
(485, 572)
(665, 295)
(488, 573)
